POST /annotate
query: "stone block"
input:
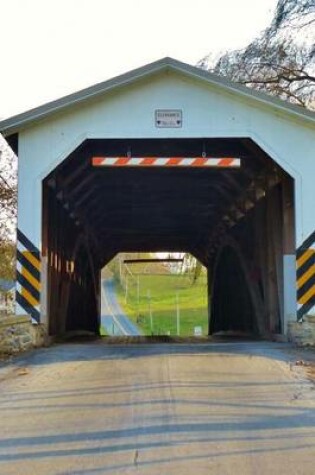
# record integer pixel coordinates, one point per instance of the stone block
(18, 334)
(302, 333)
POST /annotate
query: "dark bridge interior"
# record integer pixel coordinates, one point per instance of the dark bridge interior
(237, 222)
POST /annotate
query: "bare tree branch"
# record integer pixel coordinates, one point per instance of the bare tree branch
(278, 62)
(8, 192)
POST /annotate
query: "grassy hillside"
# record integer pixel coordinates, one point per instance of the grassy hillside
(163, 289)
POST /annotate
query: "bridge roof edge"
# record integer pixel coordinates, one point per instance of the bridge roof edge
(26, 119)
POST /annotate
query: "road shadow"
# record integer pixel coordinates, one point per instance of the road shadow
(90, 348)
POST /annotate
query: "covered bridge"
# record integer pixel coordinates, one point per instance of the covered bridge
(167, 157)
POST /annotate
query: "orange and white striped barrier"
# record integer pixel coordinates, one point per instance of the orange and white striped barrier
(209, 162)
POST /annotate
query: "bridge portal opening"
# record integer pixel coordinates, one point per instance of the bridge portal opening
(238, 222)
(154, 294)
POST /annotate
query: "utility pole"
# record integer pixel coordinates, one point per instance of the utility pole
(150, 312)
(120, 272)
(138, 296)
(126, 289)
(177, 314)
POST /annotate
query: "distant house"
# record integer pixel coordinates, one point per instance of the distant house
(7, 296)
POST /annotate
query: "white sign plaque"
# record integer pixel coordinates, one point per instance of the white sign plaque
(172, 118)
(198, 331)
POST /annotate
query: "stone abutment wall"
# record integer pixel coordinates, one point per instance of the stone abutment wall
(303, 333)
(18, 334)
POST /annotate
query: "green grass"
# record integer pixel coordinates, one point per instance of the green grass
(163, 289)
(103, 331)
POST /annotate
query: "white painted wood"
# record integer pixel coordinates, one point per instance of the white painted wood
(129, 113)
(208, 110)
(289, 290)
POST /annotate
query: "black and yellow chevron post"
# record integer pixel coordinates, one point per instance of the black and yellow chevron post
(28, 276)
(305, 261)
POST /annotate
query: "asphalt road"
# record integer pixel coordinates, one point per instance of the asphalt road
(222, 408)
(112, 316)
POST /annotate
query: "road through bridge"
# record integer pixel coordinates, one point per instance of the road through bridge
(240, 408)
(167, 158)
(113, 318)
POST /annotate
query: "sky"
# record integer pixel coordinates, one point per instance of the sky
(50, 48)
